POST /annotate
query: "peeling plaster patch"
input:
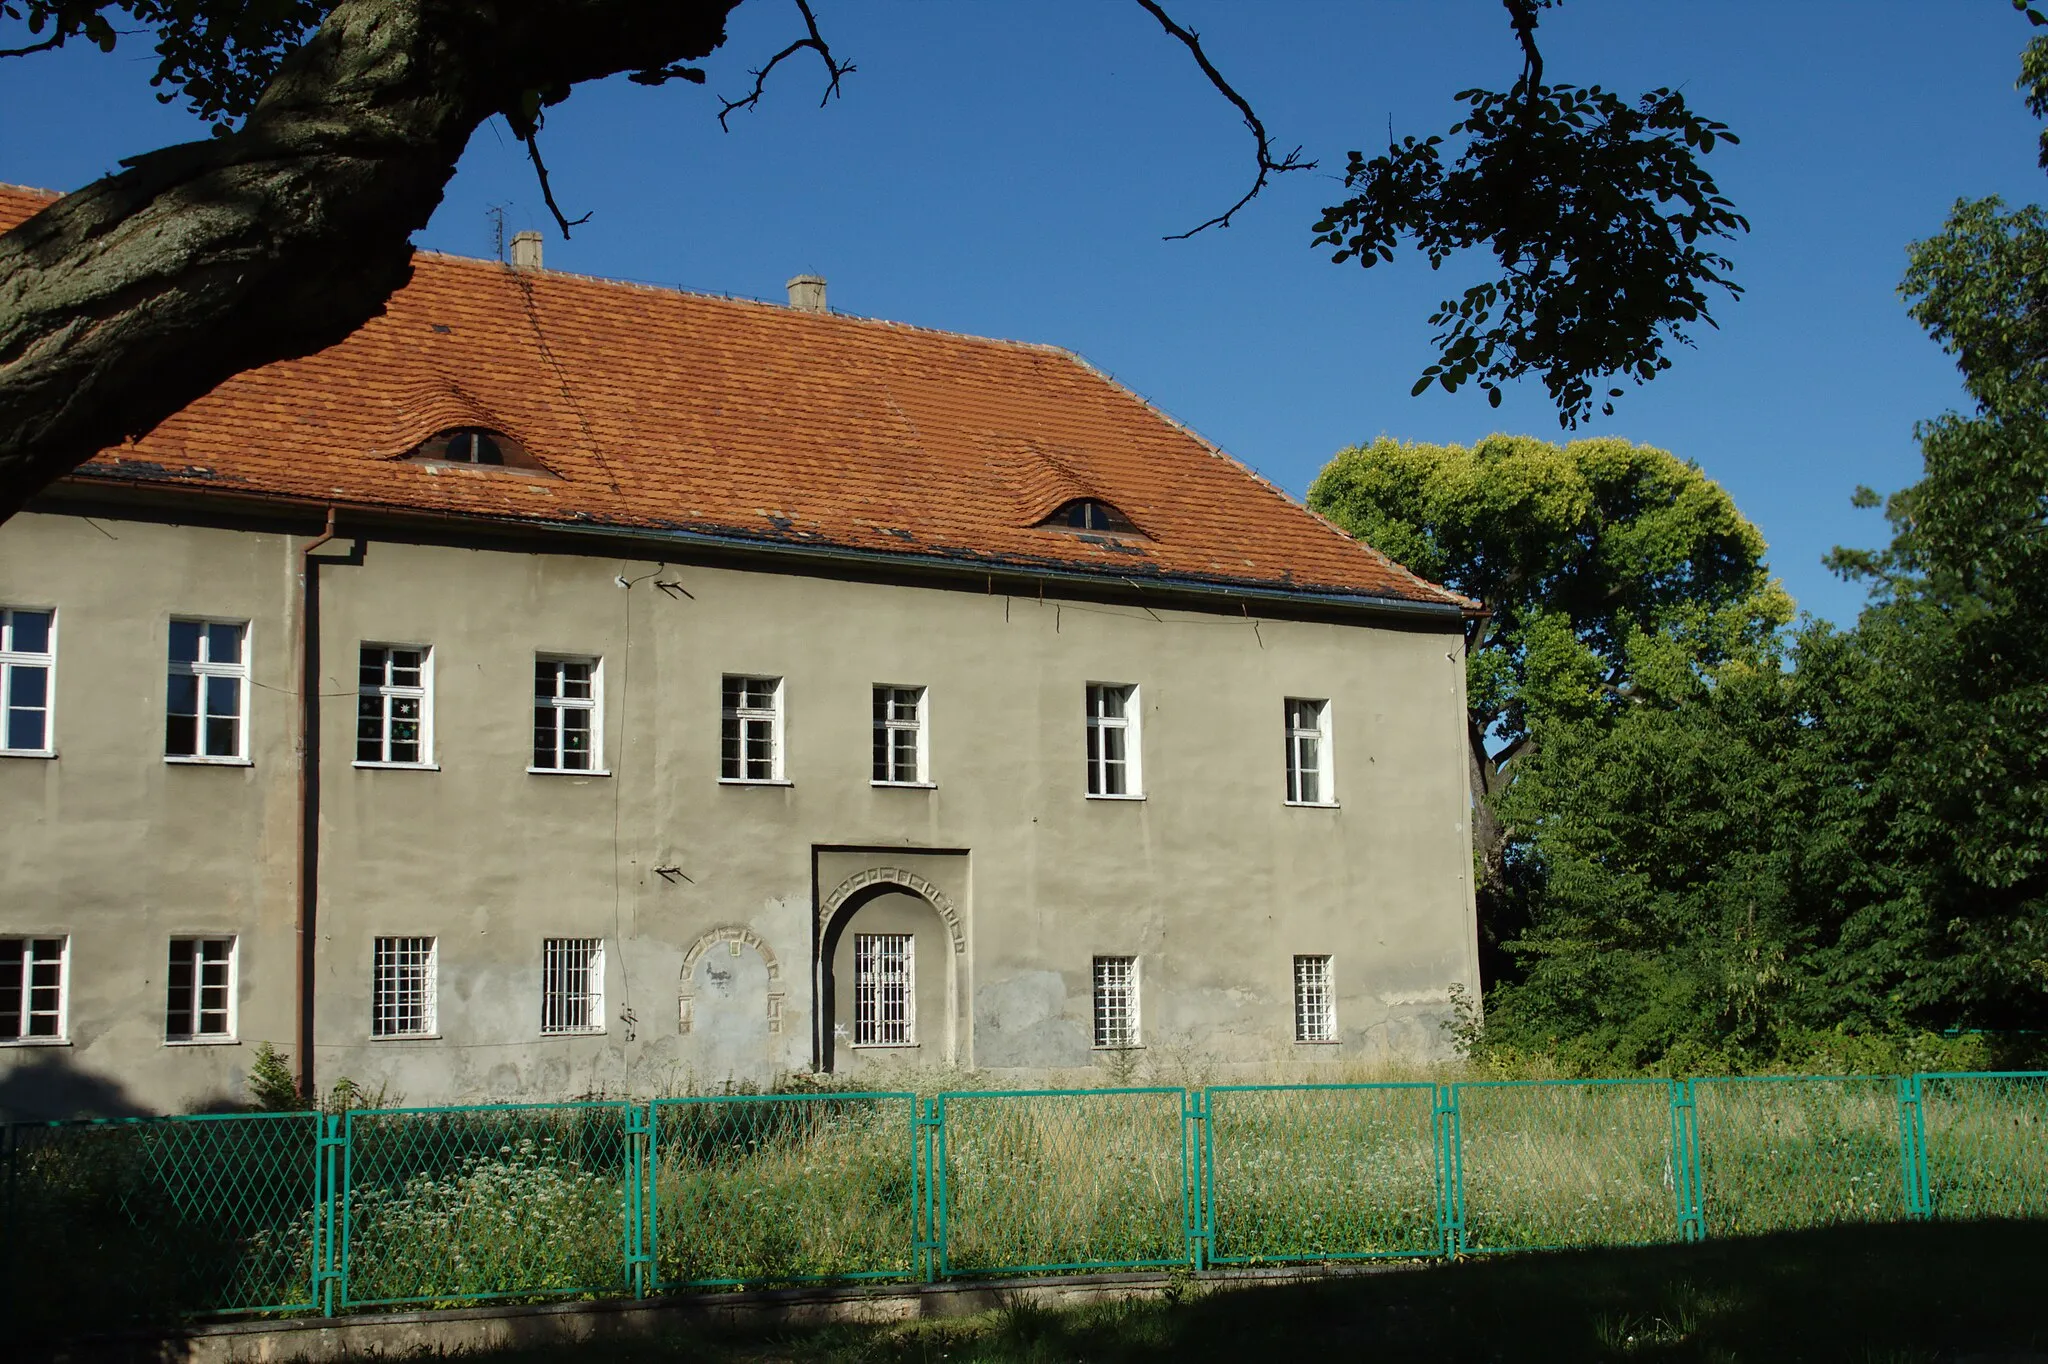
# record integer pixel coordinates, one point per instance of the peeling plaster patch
(1021, 1021)
(1396, 998)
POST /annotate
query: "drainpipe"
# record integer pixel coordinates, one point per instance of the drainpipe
(306, 650)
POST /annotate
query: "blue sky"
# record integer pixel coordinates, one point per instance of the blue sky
(1009, 170)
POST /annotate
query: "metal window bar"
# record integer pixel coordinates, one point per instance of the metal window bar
(28, 663)
(899, 735)
(402, 991)
(32, 985)
(572, 985)
(1116, 1002)
(564, 714)
(750, 729)
(208, 672)
(1305, 784)
(391, 705)
(1315, 1005)
(1109, 740)
(884, 992)
(199, 999)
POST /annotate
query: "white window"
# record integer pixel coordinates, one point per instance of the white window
(402, 988)
(572, 985)
(900, 743)
(199, 1004)
(567, 720)
(1116, 1001)
(884, 993)
(206, 705)
(1315, 1005)
(395, 705)
(34, 980)
(750, 729)
(1308, 753)
(1113, 763)
(28, 670)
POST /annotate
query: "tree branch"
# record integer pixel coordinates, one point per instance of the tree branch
(531, 137)
(815, 41)
(55, 40)
(1268, 166)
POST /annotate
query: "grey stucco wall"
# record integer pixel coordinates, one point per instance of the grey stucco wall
(1212, 880)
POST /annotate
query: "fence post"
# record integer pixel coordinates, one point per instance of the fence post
(1686, 1187)
(1450, 1170)
(639, 1179)
(1913, 1150)
(924, 1126)
(328, 1146)
(1196, 1173)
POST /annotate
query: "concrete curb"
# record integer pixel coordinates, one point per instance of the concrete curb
(318, 1340)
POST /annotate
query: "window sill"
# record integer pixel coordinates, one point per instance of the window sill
(401, 767)
(566, 771)
(754, 781)
(572, 1032)
(1315, 1042)
(28, 753)
(1128, 1046)
(202, 1041)
(1312, 804)
(886, 1046)
(405, 1037)
(35, 1042)
(1105, 796)
(194, 760)
(905, 785)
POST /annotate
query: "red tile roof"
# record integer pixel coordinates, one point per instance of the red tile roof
(662, 410)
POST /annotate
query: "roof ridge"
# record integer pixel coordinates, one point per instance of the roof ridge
(34, 189)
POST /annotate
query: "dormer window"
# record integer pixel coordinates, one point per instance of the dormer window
(474, 445)
(1088, 514)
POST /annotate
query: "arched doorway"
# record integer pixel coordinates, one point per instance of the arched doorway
(730, 1006)
(889, 974)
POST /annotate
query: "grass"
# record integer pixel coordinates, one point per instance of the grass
(1904, 1294)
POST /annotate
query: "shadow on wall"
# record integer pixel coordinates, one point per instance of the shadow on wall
(43, 1084)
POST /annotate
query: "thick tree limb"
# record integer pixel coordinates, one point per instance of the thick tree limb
(124, 302)
(1268, 165)
(815, 42)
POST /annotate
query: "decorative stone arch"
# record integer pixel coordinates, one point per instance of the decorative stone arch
(877, 877)
(736, 937)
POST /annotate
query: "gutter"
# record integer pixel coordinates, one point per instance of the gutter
(306, 650)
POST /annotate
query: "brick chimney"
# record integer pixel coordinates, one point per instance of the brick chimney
(807, 294)
(526, 251)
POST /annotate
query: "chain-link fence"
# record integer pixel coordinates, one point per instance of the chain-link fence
(151, 1220)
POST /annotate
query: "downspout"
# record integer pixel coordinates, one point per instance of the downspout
(306, 648)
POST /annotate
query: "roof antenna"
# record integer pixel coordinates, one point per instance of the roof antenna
(496, 213)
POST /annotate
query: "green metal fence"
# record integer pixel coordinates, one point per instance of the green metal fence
(155, 1219)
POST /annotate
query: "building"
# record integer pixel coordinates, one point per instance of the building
(564, 686)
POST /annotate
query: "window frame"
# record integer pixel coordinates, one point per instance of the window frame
(430, 992)
(1101, 1031)
(25, 1010)
(195, 1010)
(889, 726)
(204, 669)
(732, 721)
(594, 704)
(12, 658)
(387, 692)
(1325, 770)
(868, 1009)
(1131, 724)
(591, 998)
(1324, 984)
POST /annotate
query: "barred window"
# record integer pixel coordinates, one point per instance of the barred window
(1308, 752)
(884, 998)
(1113, 740)
(1315, 1004)
(34, 980)
(200, 1000)
(572, 985)
(566, 718)
(750, 729)
(394, 705)
(900, 736)
(402, 988)
(204, 708)
(1116, 1001)
(28, 667)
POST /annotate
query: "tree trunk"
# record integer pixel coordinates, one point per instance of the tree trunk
(126, 301)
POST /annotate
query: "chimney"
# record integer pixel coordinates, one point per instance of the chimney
(526, 251)
(807, 294)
